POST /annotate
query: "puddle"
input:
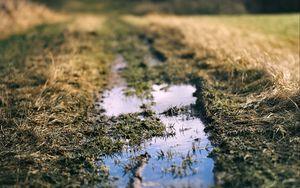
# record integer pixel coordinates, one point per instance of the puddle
(166, 96)
(178, 161)
(116, 102)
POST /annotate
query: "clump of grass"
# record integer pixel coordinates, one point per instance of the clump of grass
(183, 169)
(175, 111)
(136, 130)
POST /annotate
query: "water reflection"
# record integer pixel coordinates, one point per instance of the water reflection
(116, 102)
(181, 160)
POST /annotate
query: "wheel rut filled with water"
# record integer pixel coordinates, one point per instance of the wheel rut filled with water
(177, 158)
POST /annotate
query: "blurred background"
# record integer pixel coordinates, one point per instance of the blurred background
(178, 6)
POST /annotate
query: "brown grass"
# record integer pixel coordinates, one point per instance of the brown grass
(18, 15)
(236, 47)
(49, 77)
(86, 23)
(50, 73)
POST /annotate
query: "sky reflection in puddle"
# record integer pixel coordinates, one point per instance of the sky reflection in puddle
(177, 161)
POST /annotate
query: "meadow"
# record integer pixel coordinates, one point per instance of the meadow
(56, 60)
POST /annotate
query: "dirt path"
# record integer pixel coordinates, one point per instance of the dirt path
(53, 133)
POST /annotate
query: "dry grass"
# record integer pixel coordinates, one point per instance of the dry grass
(86, 23)
(236, 47)
(50, 73)
(51, 135)
(19, 15)
(49, 77)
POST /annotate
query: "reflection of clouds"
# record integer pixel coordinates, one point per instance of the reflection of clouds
(116, 103)
(182, 141)
(177, 95)
(190, 138)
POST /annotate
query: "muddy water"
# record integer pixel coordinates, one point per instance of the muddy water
(178, 161)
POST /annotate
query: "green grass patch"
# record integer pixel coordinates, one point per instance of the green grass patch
(283, 26)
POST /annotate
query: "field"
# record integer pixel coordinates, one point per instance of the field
(56, 65)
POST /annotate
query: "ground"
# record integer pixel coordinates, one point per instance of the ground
(245, 68)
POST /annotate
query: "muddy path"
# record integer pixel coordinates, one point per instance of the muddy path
(168, 88)
(158, 63)
(179, 157)
(142, 92)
